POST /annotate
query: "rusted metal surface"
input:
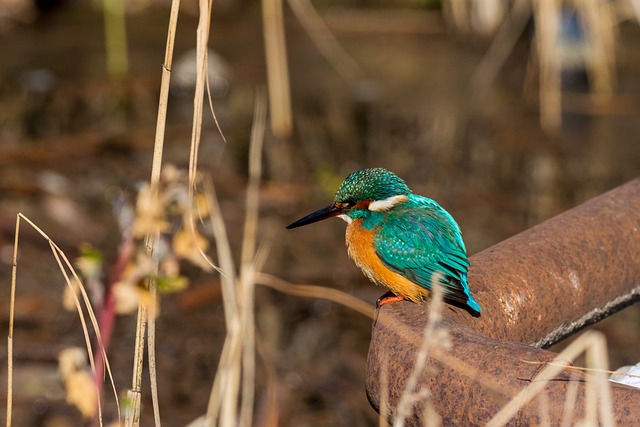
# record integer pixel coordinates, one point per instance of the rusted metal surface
(535, 288)
(485, 375)
(575, 268)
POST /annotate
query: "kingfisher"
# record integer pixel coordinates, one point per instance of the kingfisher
(399, 239)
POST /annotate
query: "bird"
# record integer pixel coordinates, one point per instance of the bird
(399, 239)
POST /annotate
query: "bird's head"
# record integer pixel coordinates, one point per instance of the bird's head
(361, 194)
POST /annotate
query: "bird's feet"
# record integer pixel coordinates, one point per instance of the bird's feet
(387, 298)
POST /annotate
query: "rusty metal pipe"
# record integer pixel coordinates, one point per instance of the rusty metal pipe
(486, 374)
(535, 289)
(557, 277)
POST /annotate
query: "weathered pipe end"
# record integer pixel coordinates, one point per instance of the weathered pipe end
(535, 289)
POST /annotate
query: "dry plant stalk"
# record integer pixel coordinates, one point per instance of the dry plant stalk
(146, 320)
(502, 44)
(433, 336)
(320, 292)
(325, 41)
(235, 378)
(75, 284)
(277, 71)
(547, 16)
(598, 395)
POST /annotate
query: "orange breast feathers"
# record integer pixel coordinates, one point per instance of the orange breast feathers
(361, 249)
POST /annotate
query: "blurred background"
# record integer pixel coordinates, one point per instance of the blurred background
(505, 113)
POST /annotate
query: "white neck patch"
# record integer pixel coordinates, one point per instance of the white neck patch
(386, 204)
(347, 218)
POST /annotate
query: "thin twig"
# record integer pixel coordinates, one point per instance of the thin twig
(12, 305)
(313, 291)
(548, 373)
(65, 266)
(325, 41)
(247, 260)
(146, 317)
(277, 71)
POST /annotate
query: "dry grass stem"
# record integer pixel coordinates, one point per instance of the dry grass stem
(226, 266)
(547, 16)
(213, 111)
(501, 46)
(73, 282)
(146, 317)
(433, 336)
(313, 291)
(582, 368)
(235, 379)
(165, 83)
(248, 262)
(598, 20)
(277, 70)
(570, 400)
(12, 307)
(325, 41)
(591, 342)
(543, 408)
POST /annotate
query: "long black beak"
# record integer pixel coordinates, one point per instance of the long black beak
(319, 215)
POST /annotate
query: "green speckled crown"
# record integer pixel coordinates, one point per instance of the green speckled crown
(371, 184)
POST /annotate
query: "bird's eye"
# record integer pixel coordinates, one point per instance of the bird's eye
(349, 203)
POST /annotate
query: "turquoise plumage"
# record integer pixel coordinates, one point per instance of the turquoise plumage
(419, 238)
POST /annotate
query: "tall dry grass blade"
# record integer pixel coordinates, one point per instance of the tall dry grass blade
(313, 291)
(237, 361)
(598, 391)
(227, 374)
(501, 46)
(134, 395)
(223, 248)
(432, 337)
(146, 318)
(213, 111)
(429, 415)
(570, 401)
(202, 37)
(165, 83)
(226, 382)
(223, 397)
(255, 173)
(151, 352)
(277, 70)
(326, 41)
(543, 409)
(65, 267)
(85, 329)
(12, 311)
(547, 16)
(599, 21)
(539, 382)
(248, 266)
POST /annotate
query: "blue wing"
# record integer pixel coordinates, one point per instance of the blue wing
(418, 239)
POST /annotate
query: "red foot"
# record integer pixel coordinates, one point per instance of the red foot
(388, 298)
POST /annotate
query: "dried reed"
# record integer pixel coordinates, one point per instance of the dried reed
(73, 282)
(277, 68)
(146, 317)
